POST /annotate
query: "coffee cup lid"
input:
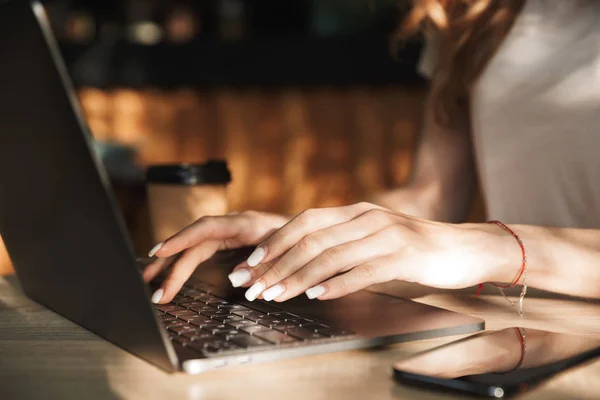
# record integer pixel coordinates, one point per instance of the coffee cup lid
(211, 172)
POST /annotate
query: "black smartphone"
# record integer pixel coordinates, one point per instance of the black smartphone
(496, 364)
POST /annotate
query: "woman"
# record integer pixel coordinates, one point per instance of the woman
(515, 101)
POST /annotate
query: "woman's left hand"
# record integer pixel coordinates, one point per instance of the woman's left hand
(331, 252)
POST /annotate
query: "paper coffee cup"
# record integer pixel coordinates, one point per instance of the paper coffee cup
(179, 194)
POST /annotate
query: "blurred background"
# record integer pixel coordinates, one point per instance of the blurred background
(303, 98)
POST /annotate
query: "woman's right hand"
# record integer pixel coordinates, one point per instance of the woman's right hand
(201, 240)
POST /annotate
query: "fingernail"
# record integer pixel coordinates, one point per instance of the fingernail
(254, 291)
(156, 248)
(315, 292)
(240, 277)
(273, 292)
(256, 257)
(157, 296)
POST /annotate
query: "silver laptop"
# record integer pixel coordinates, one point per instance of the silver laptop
(62, 228)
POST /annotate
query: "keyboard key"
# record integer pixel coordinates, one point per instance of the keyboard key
(275, 337)
(167, 307)
(179, 299)
(224, 317)
(213, 311)
(237, 324)
(252, 329)
(263, 307)
(179, 329)
(268, 318)
(202, 321)
(304, 334)
(233, 318)
(231, 335)
(285, 326)
(269, 322)
(202, 308)
(314, 327)
(301, 321)
(201, 297)
(284, 316)
(215, 326)
(178, 311)
(191, 303)
(208, 297)
(182, 341)
(239, 307)
(217, 302)
(250, 314)
(227, 331)
(232, 307)
(188, 316)
(167, 317)
(249, 341)
(194, 335)
(175, 324)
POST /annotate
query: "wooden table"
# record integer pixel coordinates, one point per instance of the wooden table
(44, 356)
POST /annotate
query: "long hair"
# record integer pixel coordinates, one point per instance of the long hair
(468, 33)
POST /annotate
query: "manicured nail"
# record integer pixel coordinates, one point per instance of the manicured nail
(240, 277)
(256, 257)
(315, 292)
(273, 292)
(255, 291)
(157, 296)
(156, 248)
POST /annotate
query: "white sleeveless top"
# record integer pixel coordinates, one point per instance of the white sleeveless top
(536, 117)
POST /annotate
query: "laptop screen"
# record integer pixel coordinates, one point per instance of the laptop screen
(58, 217)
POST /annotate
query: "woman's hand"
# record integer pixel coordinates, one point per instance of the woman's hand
(331, 252)
(199, 241)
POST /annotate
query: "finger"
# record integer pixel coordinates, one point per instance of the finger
(206, 228)
(156, 267)
(380, 270)
(244, 276)
(323, 250)
(333, 261)
(183, 269)
(304, 223)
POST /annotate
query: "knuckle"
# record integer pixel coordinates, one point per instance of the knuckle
(343, 285)
(330, 256)
(395, 231)
(363, 205)
(377, 215)
(297, 281)
(307, 216)
(306, 244)
(367, 271)
(275, 274)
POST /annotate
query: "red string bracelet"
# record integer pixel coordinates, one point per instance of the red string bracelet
(519, 274)
(523, 343)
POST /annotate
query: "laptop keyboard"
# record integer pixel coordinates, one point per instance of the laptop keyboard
(211, 325)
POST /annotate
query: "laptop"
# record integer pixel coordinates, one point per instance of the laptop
(68, 242)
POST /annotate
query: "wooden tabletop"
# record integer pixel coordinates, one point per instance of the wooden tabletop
(44, 356)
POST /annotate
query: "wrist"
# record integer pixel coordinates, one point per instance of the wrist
(498, 251)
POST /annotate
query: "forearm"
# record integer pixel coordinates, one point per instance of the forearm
(561, 260)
